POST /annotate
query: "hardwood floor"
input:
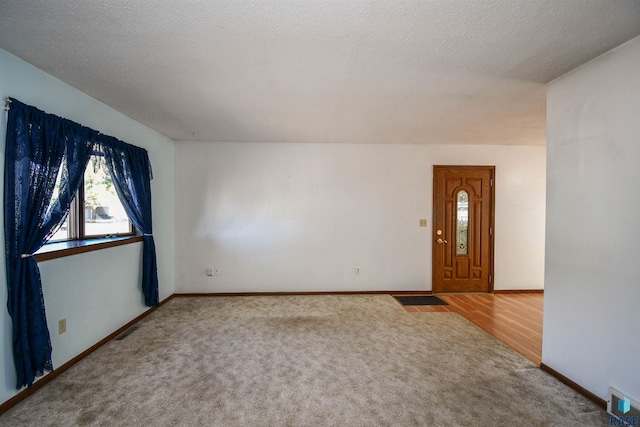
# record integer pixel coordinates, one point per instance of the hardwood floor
(514, 319)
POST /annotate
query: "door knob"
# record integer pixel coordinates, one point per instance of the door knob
(441, 241)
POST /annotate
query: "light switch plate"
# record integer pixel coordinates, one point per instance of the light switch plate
(423, 223)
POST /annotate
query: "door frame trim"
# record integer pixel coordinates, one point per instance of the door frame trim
(492, 218)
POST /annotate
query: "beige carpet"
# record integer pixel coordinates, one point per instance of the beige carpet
(356, 360)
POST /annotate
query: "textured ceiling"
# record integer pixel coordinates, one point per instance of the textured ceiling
(355, 71)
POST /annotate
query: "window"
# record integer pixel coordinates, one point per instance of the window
(462, 223)
(96, 210)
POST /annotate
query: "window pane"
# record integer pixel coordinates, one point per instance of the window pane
(62, 233)
(462, 223)
(103, 212)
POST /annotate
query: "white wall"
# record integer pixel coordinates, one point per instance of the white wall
(96, 292)
(592, 283)
(300, 217)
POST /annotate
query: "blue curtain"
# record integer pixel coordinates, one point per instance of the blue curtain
(39, 147)
(42, 149)
(130, 171)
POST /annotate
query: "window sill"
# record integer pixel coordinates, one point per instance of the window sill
(73, 247)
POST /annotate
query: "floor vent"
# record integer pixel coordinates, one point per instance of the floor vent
(126, 333)
(621, 405)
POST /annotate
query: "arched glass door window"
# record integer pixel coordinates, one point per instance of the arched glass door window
(462, 223)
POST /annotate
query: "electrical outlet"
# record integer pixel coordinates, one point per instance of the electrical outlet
(216, 272)
(356, 271)
(209, 272)
(62, 326)
(423, 223)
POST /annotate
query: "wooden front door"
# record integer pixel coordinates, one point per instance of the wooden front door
(463, 228)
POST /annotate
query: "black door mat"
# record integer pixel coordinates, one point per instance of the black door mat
(420, 300)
